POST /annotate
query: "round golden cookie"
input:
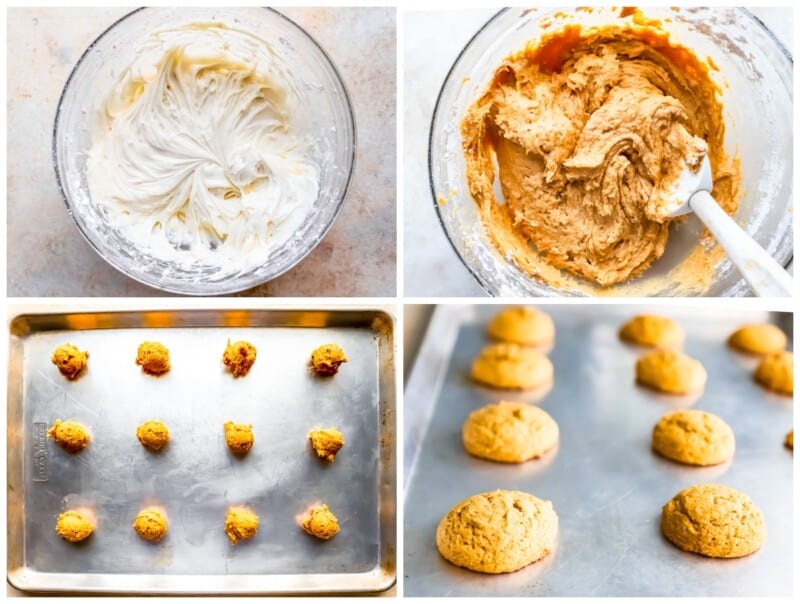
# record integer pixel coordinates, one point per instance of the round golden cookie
(70, 360)
(240, 524)
(713, 520)
(153, 357)
(776, 372)
(153, 434)
(239, 437)
(69, 435)
(512, 366)
(239, 357)
(759, 338)
(509, 432)
(150, 525)
(498, 532)
(522, 325)
(320, 522)
(652, 330)
(671, 372)
(74, 526)
(696, 438)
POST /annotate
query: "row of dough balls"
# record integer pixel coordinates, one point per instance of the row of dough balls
(154, 435)
(515, 362)
(153, 357)
(241, 523)
(503, 531)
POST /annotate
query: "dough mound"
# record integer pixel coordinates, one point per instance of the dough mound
(776, 372)
(652, 330)
(153, 357)
(671, 372)
(713, 520)
(696, 438)
(70, 436)
(326, 442)
(523, 325)
(509, 432)
(150, 525)
(239, 437)
(239, 357)
(326, 359)
(587, 131)
(511, 366)
(73, 526)
(789, 442)
(759, 338)
(153, 435)
(498, 532)
(320, 522)
(240, 524)
(69, 360)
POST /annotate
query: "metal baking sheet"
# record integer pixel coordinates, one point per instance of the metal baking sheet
(606, 484)
(196, 478)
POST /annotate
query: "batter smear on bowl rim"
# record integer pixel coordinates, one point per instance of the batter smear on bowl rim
(587, 130)
(198, 155)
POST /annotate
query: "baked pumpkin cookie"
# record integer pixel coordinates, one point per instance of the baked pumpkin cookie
(671, 372)
(73, 526)
(509, 432)
(713, 520)
(522, 325)
(511, 366)
(696, 438)
(69, 435)
(652, 330)
(70, 360)
(776, 372)
(498, 532)
(758, 338)
(239, 357)
(153, 357)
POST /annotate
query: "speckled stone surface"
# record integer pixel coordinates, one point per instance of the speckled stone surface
(47, 256)
(431, 266)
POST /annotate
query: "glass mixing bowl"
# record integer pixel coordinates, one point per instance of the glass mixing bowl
(330, 123)
(755, 76)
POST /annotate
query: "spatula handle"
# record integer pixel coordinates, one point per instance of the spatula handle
(765, 276)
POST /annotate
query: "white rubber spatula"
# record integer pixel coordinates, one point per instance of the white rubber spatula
(693, 194)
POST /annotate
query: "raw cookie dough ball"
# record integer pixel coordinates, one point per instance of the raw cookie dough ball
(153, 357)
(240, 524)
(509, 432)
(789, 442)
(498, 532)
(70, 436)
(326, 442)
(150, 525)
(69, 360)
(776, 372)
(239, 437)
(320, 522)
(713, 520)
(523, 325)
(652, 330)
(759, 338)
(73, 526)
(511, 366)
(239, 357)
(326, 359)
(693, 437)
(671, 372)
(153, 434)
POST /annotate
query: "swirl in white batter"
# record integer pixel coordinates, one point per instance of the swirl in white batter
(197, 157)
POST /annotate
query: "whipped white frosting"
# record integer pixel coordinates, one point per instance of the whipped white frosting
(197, 156)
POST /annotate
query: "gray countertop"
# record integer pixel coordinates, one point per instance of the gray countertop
(47, 255)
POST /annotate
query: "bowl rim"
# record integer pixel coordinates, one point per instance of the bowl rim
(221, 290)
(436, 109)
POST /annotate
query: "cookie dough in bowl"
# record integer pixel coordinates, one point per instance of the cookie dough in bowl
(559, 135)
(203, 150)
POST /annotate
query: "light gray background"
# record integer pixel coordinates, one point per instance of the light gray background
(47, 255)
(431, 266)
